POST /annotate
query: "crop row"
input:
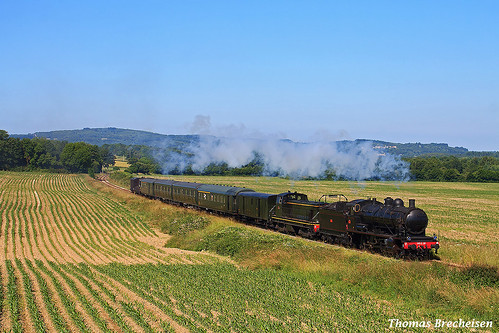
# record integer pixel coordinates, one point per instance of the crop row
(77, 259)
(48, 221)
(70, 226)
(48, 296)
(263, 300)
(64, 270)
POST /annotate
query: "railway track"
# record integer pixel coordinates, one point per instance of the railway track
(104, 178)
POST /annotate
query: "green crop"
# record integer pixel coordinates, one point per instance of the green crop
(13, 298)
(81, 256)
(32, 307)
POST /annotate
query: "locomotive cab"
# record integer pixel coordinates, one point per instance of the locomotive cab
(290, 196)
(293, 213)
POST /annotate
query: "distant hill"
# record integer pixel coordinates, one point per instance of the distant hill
(111, 135)
(416, 149)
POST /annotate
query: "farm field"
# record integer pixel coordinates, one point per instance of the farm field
(465, 216)
(55, 232)
(80, 256)
(121, 163)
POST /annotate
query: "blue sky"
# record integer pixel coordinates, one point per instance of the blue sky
(403, 71)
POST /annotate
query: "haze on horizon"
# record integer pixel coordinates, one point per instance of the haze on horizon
(304, 70)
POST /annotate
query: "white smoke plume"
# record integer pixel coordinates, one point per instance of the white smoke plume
(352, 161)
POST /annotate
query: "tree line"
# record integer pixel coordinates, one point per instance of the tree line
(429, 168)
(455, 169)
(60, 156)
(57, 156)
(439, 169)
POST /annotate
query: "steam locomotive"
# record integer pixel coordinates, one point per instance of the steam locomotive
(390, 228)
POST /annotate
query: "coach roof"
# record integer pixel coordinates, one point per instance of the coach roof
(258, 195)
(220, 189)
(148, 180)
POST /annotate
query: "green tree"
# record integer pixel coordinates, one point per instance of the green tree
(143, 165)
(4, 135)
(11, 152)
(450, 175)
(107, 156)
(80, 157)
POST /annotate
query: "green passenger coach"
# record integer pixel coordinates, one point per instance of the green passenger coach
(220, 198)
(256, 205)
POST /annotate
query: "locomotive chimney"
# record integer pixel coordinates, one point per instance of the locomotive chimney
(412, 203)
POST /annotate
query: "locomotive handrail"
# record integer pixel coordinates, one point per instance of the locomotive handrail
(313, 218)
(389, 229)
(339, 196)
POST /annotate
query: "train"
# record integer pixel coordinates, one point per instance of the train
(389, 227)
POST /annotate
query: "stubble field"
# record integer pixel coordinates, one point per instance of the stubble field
(80, 256)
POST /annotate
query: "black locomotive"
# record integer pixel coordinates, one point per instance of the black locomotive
(390, 227)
